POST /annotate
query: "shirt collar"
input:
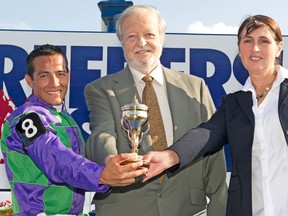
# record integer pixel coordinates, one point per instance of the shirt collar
(157, 74)
(35, 99)
(281, 75)
(58, 108)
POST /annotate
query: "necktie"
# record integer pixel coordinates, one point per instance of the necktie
(157, 130)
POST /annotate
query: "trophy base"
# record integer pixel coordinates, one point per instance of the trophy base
(145, 163)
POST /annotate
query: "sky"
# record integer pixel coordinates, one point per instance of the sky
(182, 16)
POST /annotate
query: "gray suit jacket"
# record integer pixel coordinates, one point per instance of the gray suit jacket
(183, 194)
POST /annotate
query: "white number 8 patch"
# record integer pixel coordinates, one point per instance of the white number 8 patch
(29, 128)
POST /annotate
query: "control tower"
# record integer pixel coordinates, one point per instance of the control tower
(109, 9)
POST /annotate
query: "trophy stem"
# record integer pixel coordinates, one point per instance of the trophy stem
(134, 150)
(134, 142)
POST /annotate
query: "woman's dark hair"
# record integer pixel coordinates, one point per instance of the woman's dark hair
(254, 22)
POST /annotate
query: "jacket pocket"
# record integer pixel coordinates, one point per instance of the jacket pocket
(198, 197)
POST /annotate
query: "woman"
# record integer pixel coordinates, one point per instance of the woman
(253, 121)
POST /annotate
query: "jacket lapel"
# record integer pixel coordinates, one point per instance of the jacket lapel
(124, 87)
(245, 102)
(177, 101)
(283, 107)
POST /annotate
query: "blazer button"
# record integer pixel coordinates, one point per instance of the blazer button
(287, 132)
(160, 195)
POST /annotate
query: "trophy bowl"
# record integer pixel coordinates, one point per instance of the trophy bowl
(135, 122)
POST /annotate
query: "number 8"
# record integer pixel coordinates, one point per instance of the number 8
(29, 128)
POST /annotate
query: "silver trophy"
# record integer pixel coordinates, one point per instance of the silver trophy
(135, 122)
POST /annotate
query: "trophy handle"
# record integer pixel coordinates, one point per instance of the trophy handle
(148, 127)
(124, 125)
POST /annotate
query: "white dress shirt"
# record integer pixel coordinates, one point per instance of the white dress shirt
(159, 85)
(269, 154)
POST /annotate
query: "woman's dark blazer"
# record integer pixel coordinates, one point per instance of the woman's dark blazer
(233, 123)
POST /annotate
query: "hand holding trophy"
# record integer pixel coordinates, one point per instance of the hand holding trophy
(135, 122)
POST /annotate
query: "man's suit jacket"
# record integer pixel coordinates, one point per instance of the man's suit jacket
(232, 123)
(181, 195)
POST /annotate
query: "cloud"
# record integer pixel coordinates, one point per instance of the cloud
(218, 28)
(15, 26)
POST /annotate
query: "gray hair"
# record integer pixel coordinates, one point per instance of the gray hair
(134, 10)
